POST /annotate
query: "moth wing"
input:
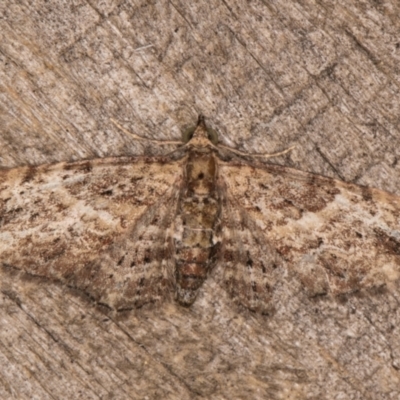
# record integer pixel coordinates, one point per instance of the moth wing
(138, 267)
(248, 267)
(337, 237)
(99, 225)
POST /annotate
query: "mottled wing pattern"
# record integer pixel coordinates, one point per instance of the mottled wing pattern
(100, 225)
(247, 265)
(337, 237)
(111, 226)
(138, 267)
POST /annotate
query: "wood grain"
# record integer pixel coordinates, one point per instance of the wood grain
(267, 74)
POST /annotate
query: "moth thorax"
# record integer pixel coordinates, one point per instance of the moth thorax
(201, 173)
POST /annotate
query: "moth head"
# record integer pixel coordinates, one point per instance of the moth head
(202, 130)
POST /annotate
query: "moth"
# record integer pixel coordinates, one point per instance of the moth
(135, 230)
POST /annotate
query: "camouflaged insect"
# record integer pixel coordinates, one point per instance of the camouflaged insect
(134, 230)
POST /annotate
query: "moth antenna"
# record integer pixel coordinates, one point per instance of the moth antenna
(137, 137)
(201, 121)
(266, 155)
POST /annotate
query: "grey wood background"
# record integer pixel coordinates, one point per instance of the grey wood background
(322, 75)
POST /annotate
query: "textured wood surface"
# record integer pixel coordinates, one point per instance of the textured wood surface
(319, 75)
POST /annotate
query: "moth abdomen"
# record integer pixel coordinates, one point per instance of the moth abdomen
(192, 265)
(189, 278)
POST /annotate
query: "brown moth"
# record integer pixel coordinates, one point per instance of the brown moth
(132, 230)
